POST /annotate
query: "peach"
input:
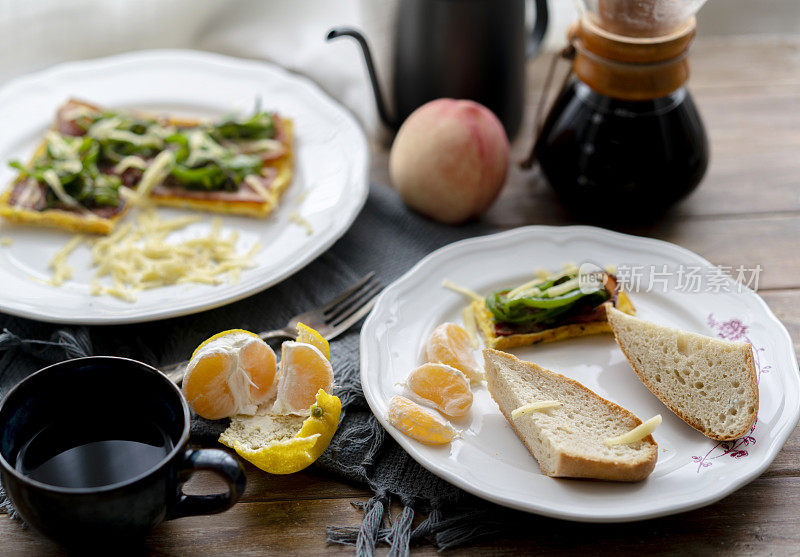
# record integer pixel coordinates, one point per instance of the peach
(449, 160)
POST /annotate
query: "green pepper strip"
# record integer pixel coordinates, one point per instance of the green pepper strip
(536, 309)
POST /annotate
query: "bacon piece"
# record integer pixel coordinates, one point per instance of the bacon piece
(65, 117)
(245, 193)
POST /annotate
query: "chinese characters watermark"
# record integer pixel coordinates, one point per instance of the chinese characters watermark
(691, 279)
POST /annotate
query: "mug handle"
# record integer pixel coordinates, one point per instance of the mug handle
(539, 27)
(226, 467)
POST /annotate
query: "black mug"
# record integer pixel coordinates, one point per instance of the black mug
(77, 402)
(462, 49)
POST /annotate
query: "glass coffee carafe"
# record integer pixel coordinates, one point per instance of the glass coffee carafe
(623, 140)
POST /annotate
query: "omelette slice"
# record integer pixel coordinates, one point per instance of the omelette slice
(75, 180)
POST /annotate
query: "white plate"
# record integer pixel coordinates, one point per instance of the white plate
(488, 459)
(329, 187)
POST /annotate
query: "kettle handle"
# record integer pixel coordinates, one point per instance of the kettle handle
(383, 111)
(539, 27)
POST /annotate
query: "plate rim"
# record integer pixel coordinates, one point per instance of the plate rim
(782, 434)
(338, 229)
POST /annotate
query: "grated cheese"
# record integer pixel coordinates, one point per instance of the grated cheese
(254, 182)
(143, 140)
(526, 290)
(103, 127)
(464, 291)
(61, 270)
(59, 147)
(138, 256)
(52, 180)
(78, 111)
(563, 288)
(636, 434)
(570, 268)
(155, 173)
(537, 406)
(468, 315)
(299, 220)
(130, 162)
(260, 145)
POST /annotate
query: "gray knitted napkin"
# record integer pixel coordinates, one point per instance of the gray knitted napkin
(386, 238)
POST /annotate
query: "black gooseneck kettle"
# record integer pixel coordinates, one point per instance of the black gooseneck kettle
(463, 49)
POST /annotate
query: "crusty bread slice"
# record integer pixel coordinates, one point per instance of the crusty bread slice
(567, 441)
(708, 382)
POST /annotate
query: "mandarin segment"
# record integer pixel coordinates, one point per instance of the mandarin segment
(258, 361)
(205, 385)
(445, 387)
(304, 371)
(310, 336)
(233, 372)
(418, 422)
(450, 344)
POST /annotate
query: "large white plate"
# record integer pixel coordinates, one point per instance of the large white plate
(489, 461)
(329, 188)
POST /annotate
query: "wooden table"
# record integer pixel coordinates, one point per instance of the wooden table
(747, 211)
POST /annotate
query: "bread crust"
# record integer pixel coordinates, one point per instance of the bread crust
(654, 388)
(485, 321)
(575, 466)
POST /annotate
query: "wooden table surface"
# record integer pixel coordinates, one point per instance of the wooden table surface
(746, 211)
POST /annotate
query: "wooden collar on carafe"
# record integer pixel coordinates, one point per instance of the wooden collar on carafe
(631, 68)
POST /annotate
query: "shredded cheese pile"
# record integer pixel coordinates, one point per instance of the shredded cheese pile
(139, 256)
(61, 270)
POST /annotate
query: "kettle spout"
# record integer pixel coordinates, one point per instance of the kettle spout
(373, 76)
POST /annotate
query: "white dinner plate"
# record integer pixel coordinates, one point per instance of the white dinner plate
(488, 460)
(329, 187)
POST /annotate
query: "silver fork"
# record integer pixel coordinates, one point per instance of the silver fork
(330, 319)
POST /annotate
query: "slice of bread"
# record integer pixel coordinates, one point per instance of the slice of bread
(569, 440)
(708, 382)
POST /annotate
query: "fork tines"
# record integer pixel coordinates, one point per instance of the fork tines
(355, 298)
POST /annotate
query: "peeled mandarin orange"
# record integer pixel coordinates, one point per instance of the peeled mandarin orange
(304, 371)
(451, 345)
(443, 386)
(418, 422)
(230, 373)
(310, 336)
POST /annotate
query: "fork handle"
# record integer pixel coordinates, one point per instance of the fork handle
(277, 333)
(175, 371)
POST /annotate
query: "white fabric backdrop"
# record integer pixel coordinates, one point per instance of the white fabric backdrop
(35, 34)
